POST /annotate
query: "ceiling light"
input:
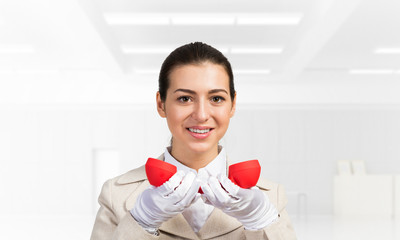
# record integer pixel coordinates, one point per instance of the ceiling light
(16, 48)
(142, 50)
(223, 50)
(156, 50)
(270, 19)
(202, 19)
(371, 71)
(147, 71)
(275, 50)
(37, 71)
(387, 51)
(28, 71)
(252, 71)
(136, 19)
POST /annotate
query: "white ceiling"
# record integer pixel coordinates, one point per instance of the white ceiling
(70, 51)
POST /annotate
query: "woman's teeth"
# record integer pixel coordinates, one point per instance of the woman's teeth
(199, 131)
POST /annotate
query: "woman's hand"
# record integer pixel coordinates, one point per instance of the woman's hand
(156, 205)
(250, 206)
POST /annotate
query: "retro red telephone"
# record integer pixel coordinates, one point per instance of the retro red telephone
(244, 174)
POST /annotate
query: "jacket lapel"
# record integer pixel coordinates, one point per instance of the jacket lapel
(178, 226)
(218, 224)
(130, 201)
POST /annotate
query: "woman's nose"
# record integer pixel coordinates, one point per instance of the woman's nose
(201, 112)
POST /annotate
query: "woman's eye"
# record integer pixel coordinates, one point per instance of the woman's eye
(184, 99)
(217, 99)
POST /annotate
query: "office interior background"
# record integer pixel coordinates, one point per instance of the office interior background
(318, 104)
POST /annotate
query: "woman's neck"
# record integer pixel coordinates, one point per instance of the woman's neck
(194, 160)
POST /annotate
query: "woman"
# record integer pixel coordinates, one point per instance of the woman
(197, 97)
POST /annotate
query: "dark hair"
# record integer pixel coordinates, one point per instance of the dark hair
(192, 53)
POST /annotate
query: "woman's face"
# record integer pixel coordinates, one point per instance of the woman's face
(198, 106)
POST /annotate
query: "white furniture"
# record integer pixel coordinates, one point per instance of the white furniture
(364, 195)
(344, 168)
(397, 197)
(358, 167)
(353, 167)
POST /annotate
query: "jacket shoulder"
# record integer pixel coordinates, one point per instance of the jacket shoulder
(132, 176)
(275, 191)
(267, 184)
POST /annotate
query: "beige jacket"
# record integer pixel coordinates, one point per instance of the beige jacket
(118, 196)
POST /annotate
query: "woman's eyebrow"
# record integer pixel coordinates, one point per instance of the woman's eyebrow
(193, 92)
(217, 90)
(185, 90)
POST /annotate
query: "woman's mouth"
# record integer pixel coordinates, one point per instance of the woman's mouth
(200, 133)
(199, 130)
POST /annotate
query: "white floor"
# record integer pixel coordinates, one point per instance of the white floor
(48, 227)
(339, 228)
(310, 228)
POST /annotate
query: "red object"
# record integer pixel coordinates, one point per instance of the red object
(245, 174)
(158, 171)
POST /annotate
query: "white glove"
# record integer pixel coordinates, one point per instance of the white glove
(250, 206)
(156, 205)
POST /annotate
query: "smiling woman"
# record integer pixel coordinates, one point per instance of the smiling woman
(197, 97)
(198, 109)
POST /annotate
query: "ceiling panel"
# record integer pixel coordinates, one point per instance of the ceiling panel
(207, 5)
(333, 36)
(374, 24)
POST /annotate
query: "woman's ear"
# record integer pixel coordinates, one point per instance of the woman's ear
(160, 106)
(233, 109)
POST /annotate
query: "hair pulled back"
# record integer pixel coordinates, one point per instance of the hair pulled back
(192, 53)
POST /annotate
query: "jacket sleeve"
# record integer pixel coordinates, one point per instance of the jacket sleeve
(107, 225)
(281, 229)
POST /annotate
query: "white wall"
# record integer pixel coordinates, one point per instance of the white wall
(47, 150)
(300, 145)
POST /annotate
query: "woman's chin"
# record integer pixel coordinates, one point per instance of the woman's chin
(201, 148)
